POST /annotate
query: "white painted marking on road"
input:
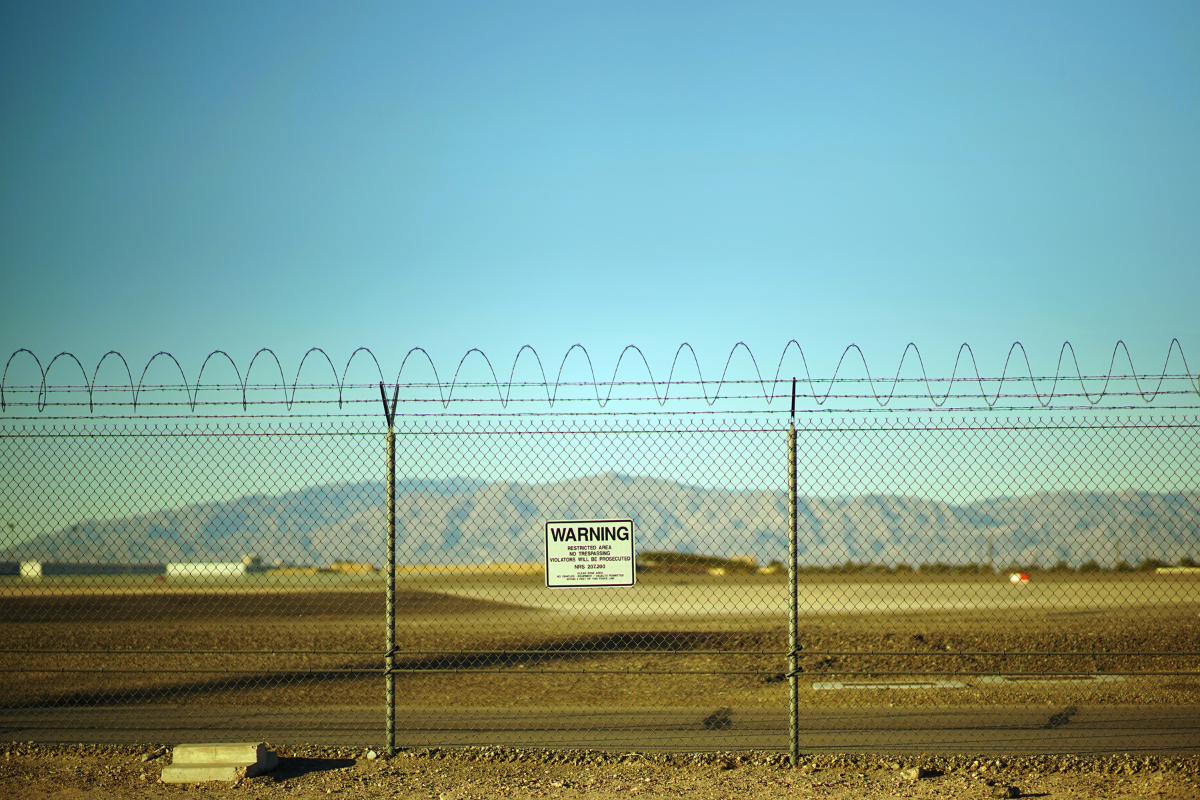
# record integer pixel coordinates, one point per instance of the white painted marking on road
(1022, 679)
(826, 685)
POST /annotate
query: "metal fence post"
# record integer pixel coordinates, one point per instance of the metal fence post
(389, 677)
(793, 597)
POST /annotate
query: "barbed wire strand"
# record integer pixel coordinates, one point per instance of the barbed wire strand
(504, 390)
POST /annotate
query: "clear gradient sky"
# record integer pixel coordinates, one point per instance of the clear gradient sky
(191, 176)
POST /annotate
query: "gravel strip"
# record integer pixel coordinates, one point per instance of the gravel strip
(41, 771)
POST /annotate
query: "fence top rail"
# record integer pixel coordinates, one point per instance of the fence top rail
(530, 426)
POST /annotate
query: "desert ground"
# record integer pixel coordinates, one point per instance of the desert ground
(66, 772)
(714, 645)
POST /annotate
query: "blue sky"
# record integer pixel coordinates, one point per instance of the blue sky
(187, 177)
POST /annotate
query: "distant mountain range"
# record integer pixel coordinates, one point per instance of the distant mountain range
(470, 522)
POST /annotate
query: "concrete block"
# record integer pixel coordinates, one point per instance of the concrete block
(197, 763)
(220, 753)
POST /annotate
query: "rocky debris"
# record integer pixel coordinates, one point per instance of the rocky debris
(472, 772)
(915, 773)
(153, 754)
(1141, 765)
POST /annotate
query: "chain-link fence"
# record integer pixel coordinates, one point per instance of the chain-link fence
(204, 581)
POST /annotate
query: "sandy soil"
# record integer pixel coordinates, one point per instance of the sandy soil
(68, 772)
(296, 650)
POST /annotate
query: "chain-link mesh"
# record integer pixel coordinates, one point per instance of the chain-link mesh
(230, 581)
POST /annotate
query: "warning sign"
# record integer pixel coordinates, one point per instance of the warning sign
(589, 552)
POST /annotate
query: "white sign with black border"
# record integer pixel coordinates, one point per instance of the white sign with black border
(589, 552)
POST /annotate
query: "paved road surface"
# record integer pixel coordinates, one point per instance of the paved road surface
(988, 730)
